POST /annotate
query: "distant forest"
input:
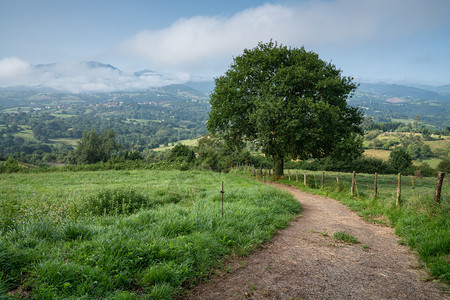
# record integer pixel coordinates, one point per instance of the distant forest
(35, 122)
(37, 125)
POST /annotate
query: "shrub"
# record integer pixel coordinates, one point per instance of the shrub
(10, 166)
(399, 159)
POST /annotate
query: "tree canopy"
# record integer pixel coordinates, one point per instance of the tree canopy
(94, 148)
(288, 101)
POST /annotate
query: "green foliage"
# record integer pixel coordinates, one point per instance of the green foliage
(444, 166)
(216, 155)
(416, 147)
(399, 159)
(182, 157)
(10, 166)
(289, 101)
(128, 234)
(361, 164)
(93, 148)
(424, 168)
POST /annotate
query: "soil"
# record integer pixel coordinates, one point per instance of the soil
(304, 261)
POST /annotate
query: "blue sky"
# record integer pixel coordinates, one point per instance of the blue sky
(395, 41)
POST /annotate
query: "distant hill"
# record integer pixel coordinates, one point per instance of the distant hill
(206, 87)
(394, 90)
(391, 102)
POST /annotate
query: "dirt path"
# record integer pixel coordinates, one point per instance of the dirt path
(303, 262)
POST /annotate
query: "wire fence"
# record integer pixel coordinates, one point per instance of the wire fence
(409, 189)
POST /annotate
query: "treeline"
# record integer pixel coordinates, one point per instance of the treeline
(415, 127)
(100, 151)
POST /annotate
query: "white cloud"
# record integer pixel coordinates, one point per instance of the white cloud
(197, 42)
(13, 70)
(80, 77)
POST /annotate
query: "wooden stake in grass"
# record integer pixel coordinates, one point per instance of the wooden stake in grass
(437, 192)
(353, 184)
(315, 182)
(412, 184)
(222, 198)
(304, 178)
(322, 182)
(399, 190)
(296, 175)
(375, 186)
(263, 185)
(289, 175)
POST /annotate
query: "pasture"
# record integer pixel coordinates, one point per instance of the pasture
(127, 234)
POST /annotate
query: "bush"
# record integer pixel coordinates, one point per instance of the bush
(424, 168)
(400, 160)
(361, 165)
(10, 166)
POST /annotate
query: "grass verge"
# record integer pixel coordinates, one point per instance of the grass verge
(128, 234)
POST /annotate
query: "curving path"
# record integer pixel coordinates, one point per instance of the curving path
(304, 262)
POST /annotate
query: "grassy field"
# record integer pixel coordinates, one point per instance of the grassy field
(440, 147)
(377, 153)
(419, 222)
(68, 141)
(127, 234)
(191, 143)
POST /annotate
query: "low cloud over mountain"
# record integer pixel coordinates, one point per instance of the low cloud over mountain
(80, 77)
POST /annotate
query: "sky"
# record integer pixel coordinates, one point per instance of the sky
(54, 42)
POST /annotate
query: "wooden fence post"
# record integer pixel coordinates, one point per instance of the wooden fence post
(289, 175)
(222, 198)
(399, 190)
(437, 193)
(375, 186)
(353, 184)
(304, 178)
(296, 175)
(322, 182)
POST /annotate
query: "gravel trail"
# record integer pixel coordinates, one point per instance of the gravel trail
(303, 261)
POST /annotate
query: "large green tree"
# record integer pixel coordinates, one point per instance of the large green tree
(288, 101)
(94, 148)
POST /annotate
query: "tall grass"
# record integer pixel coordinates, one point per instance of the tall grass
(420, 223)
(128, 234)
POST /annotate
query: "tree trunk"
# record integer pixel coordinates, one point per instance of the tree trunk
(278, 166)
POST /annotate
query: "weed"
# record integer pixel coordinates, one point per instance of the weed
(365, 247)
(345, 237)
(116, 202)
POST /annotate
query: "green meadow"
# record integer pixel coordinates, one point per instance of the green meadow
(128, 234)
